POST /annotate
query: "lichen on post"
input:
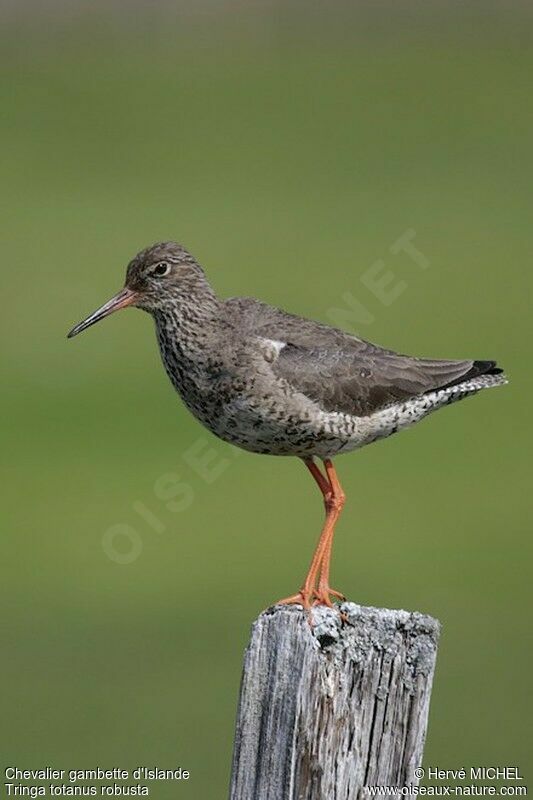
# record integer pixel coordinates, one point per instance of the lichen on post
(328, 710)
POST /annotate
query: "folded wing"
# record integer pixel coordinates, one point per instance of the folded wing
(341, 372)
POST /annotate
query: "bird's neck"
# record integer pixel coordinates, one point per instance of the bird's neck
(187, 332)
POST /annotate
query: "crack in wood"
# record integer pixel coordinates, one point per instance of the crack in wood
(328, 710)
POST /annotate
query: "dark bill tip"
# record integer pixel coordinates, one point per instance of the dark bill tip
(123, 299)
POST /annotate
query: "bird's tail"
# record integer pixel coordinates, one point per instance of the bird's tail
(477, 370)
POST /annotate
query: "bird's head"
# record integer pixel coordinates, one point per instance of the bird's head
(158, 276)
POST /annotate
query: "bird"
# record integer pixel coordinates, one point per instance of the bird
(275, 383)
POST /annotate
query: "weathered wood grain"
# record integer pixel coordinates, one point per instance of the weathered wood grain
(325, 712)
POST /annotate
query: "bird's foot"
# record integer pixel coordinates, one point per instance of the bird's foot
(309, 598)
(302, 598)
(323, 595)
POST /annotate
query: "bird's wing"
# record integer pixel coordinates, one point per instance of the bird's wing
(362, 379)
(338, 371)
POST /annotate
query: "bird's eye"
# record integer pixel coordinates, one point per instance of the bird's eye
(161, 269)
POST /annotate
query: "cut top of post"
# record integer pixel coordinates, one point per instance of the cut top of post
(326, 711)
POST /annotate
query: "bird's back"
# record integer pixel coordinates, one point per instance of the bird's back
(341, 372)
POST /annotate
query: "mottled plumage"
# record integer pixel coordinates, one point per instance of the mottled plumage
(272, 382)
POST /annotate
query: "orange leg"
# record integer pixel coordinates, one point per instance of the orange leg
(319, 569)
(334, 508)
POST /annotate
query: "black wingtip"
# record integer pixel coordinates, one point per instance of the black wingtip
(483, 368)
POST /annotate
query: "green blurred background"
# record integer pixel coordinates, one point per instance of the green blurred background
(288, 146)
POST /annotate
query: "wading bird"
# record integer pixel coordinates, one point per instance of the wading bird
(272, 382)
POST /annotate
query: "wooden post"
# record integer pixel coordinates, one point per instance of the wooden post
(329, 710)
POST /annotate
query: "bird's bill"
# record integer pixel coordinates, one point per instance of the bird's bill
(123, 299)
